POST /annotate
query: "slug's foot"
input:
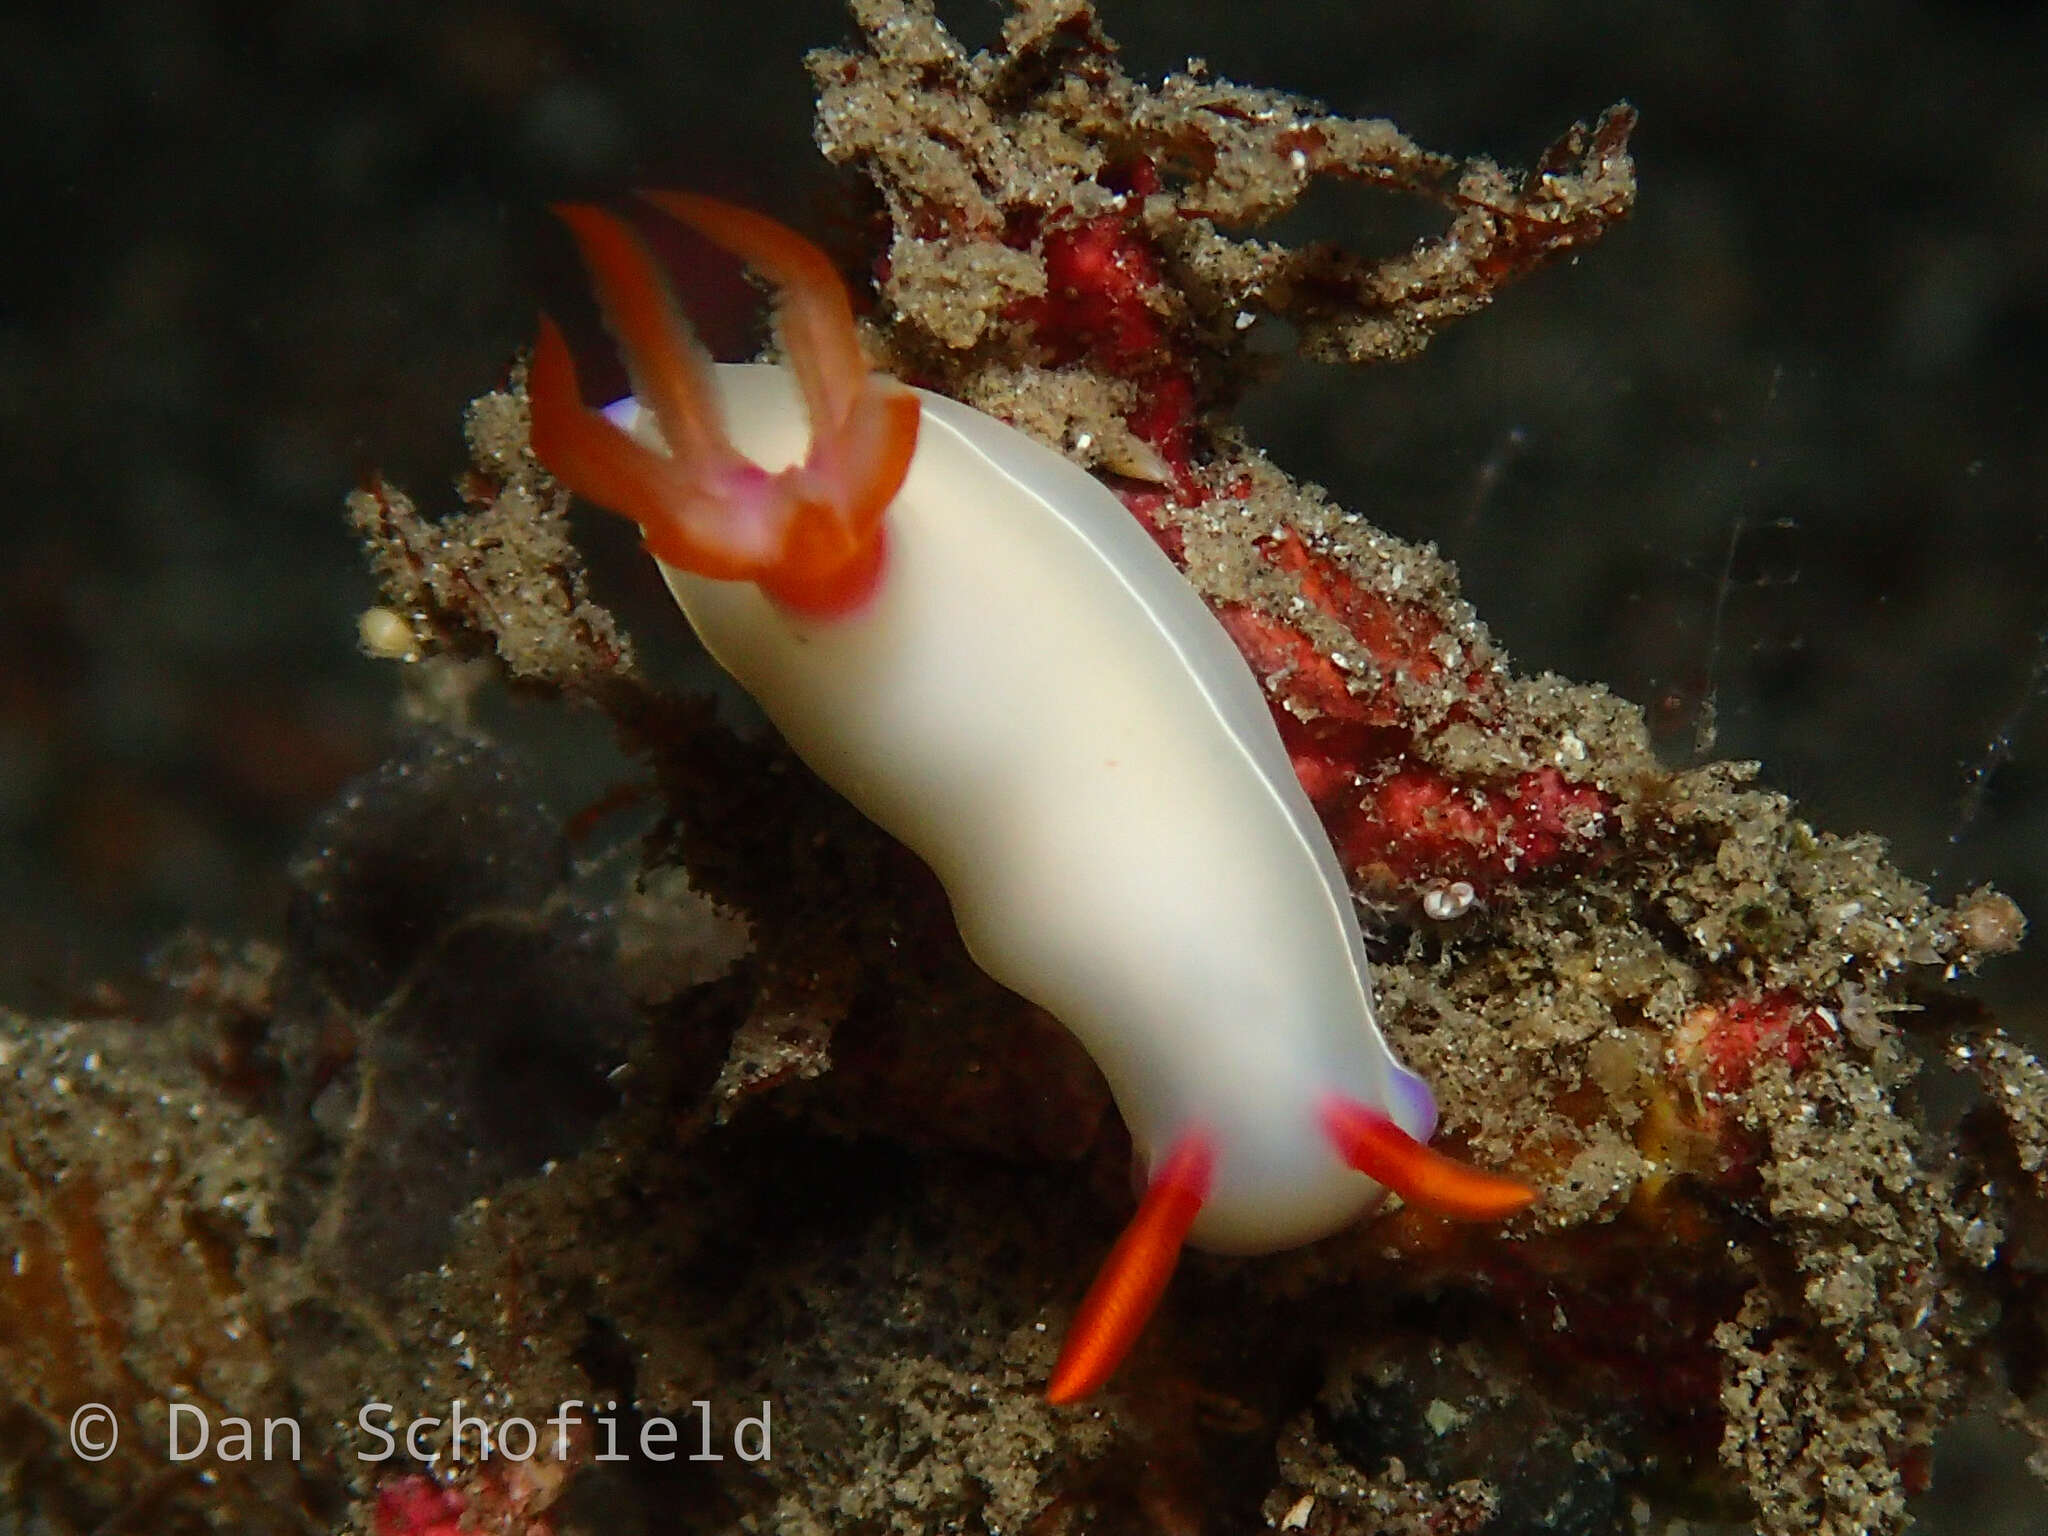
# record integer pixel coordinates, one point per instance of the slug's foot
(1134, 1276)
(809, 535)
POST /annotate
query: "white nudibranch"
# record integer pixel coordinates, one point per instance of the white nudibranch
(971, 639)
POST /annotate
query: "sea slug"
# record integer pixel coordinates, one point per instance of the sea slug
(972, 640)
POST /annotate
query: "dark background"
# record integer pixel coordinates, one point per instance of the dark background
(1779, 441)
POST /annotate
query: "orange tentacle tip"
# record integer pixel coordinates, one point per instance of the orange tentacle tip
(811, 535)
(1381, 1150)
(1134, 1276)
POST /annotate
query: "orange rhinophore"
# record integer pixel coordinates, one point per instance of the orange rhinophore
(1383, 1152)
(1134, 1276)
(809, 535)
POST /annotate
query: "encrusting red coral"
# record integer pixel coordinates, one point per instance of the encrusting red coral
(1105, 304)
(413, 1504)
(1725, 1043)
(1102, 281)
(500, 1495)
(1398, 822)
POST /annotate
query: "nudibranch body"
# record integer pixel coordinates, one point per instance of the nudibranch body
(972, 640)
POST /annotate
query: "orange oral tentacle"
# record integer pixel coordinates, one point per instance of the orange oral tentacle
(818, 593)
(583, 449)
(601, 462)
(1381, 1150)
(812, 305)
(1134, 1276)
(671, 373)
(871, 454)
(810, 534)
